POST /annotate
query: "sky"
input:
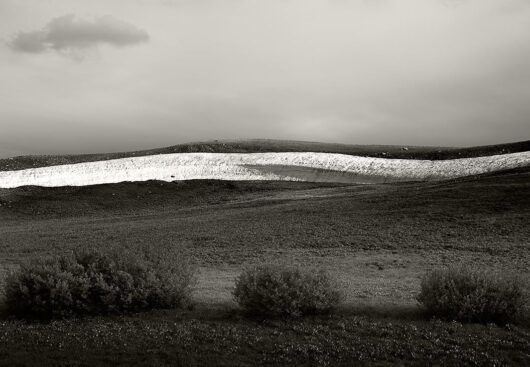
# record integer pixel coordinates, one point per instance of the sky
(82, 76)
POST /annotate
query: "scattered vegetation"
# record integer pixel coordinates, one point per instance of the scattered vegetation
(213, 337)
(277, 290)
(98, 283)
(469, 294)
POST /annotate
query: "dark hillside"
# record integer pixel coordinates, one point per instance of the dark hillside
(134, 197)
(506, 188)
(488, 213)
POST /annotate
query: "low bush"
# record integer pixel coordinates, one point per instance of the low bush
(468, 294)
(97, 283)
(275, 290)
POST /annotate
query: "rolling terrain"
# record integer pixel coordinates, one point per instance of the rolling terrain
(264, 146)
(271, 166)
(377, 239)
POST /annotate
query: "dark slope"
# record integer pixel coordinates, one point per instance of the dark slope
(504, 191)
(253, 146)
(135, 197)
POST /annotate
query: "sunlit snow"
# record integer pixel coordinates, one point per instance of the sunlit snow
(292, 166)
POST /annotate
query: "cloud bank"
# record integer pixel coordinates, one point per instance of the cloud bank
(69, 33)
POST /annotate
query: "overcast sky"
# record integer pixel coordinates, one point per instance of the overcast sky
(110, 75)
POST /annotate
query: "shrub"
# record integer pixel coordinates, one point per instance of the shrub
(97, 283)
(468, 294)
(275, 290)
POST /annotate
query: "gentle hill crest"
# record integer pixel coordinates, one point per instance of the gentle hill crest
(282, 166)
(265, 146)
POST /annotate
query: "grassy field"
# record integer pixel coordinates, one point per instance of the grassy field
(377, 239)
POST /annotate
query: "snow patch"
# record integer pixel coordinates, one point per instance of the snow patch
(291, 166)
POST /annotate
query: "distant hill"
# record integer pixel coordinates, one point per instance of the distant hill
(262, 145)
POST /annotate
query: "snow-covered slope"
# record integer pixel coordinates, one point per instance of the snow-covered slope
(315, 167)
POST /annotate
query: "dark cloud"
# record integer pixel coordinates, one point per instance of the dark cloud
(69, 33)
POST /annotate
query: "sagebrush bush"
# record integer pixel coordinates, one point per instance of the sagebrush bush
(97, 283)
(276, 290)
(469, 294)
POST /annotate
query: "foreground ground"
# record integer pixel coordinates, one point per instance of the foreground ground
(377, 239)
(213, 337)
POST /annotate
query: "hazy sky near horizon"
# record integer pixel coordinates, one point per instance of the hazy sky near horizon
(113, 75)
